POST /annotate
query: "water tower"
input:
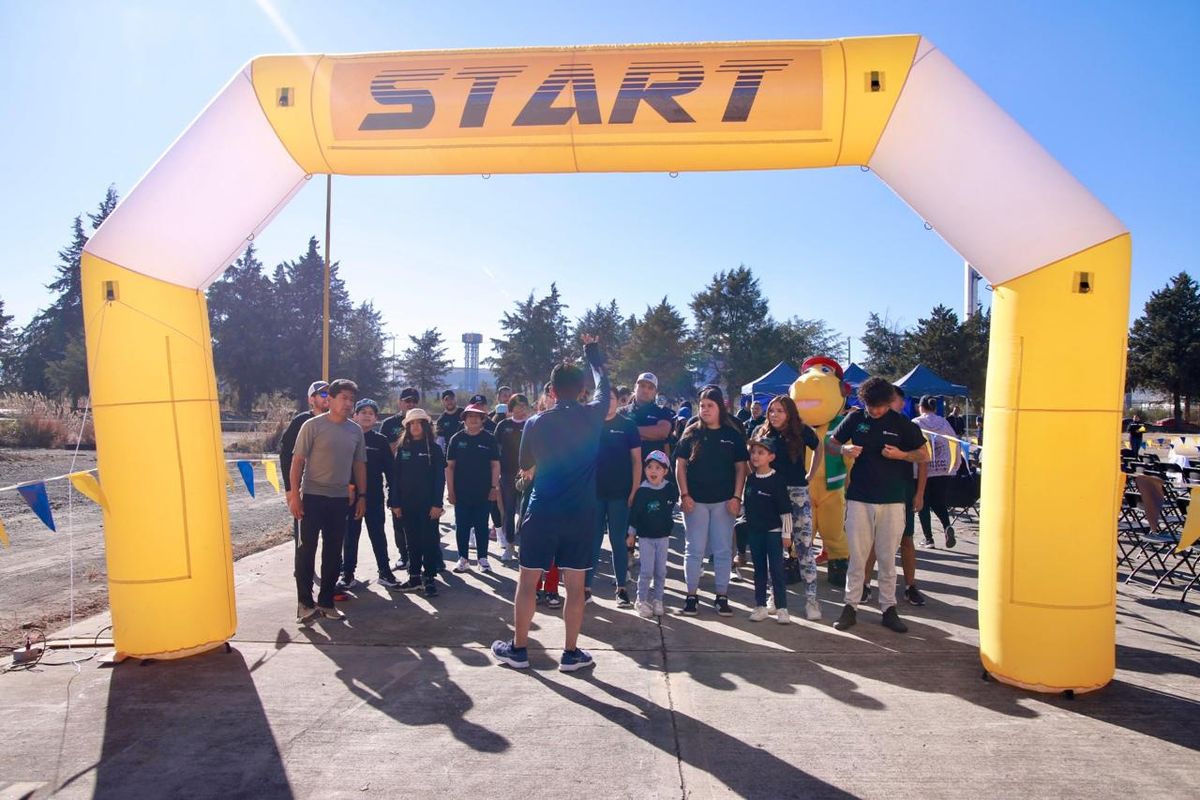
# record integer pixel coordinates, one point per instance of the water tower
(471, 343)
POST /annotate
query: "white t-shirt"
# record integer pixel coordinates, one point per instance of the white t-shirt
(941, 464)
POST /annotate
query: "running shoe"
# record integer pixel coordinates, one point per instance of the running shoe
(759, 614)
(431, 589)
(782, 616)
(891, 621)
(623, 598)
(507, 653)
(848, 618)
(462, 565)
(577, 659)
(721, 603)
(812, 609)
(914, 597)
(645, 611)
(389, 581)
(485, 565)
(305, 614)
(691, 606)
(347, 583)
(330, 612)
(950, 540)
(508, 555)
(659, 608)
(412, 584)
(587, 596)
(928, 542)
(400, 564)
(553, 600)
(541, 598)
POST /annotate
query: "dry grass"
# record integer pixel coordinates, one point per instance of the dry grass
(278, 412)
(34, 420)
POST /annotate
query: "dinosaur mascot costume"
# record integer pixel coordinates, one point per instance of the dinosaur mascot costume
(820, 395)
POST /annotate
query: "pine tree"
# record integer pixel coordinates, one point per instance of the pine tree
(884, 343)
(359, 355)
(793, 341)
(660, 342)
(731, 313)
(606, 322)
(245, 340)
(45, 340)
(1164, 343)
(424, 364)
(536, 338)
(7, 344)
(938, 342)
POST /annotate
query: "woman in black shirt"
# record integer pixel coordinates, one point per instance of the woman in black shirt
(792, 440)
(711, 469)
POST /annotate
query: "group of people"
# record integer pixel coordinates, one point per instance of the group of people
(551, 480)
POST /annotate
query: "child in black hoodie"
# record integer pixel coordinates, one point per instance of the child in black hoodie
(416, 499)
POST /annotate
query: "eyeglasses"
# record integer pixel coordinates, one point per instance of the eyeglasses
(322, 394)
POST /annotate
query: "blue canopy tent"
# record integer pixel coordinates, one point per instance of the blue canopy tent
(778, 380)
(855, 375)
(921, 380)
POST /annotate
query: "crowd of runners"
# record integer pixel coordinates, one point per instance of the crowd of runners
(549, 479)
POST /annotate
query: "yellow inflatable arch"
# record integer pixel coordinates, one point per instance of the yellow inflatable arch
(1057, 258)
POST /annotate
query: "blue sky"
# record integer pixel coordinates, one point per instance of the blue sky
(95, 92)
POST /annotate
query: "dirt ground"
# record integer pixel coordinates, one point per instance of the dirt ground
(36, 569)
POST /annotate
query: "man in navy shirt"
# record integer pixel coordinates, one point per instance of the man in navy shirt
(654, 422)
(561, 446)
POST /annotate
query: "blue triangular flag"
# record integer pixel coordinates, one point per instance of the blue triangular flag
(966, 451)
(247, 470)
(35, 496)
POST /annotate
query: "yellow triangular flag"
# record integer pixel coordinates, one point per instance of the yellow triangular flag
(272, 474)
(1191, 528)
(953, 443)
(86, 484)
(3, 534)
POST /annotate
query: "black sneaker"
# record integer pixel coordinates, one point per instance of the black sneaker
(691, 606)
(929, 542)
(950, 540)
(847, 619)
(623, 598)
(721, 602)
(412, 584)
(553, 600)
(914, 597)
(892, 621)
(541, 598)
(431, 589)
(866, 595)
(389, 581)
(587, 596)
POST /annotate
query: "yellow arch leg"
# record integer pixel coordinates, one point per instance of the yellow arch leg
(1051, 481)
(159, 453)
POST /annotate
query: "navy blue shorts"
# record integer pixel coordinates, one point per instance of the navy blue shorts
(549, 539)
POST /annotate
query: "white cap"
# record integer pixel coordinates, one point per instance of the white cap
(648, 377)
(316, 386)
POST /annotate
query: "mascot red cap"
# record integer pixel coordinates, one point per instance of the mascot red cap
(826, 361)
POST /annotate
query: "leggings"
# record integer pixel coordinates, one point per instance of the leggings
(935, 501)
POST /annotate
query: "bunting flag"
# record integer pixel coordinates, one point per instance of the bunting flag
(3, 534)
(1191, 528)
(953, 452)
(35, 495)
(247, 470)
(86, 484)
(272, 474)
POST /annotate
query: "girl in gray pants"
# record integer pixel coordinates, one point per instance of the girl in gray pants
(650, 521)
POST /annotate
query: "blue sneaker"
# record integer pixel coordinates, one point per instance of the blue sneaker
(515, 657)
(576, 659)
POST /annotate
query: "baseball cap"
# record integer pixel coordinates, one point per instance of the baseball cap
(478, 400)
(447, 393)
(409, 393)
(660, 457)
(766, 444)
(317, 386)
(475, 408)
(366, 402)
(648, 377)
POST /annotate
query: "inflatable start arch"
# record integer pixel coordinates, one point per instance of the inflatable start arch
(1058, 260)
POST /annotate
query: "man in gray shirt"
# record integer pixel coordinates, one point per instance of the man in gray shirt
(329, 448)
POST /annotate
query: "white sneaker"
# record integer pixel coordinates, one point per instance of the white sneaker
(782, 616)
(462, 565)
(645, 611)
(508, 554)
(758, 614)
(812, 609)
(485, 565)
(659, 608)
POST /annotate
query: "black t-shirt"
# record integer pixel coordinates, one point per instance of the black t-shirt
(743, 415)
(765, 498)
(392, 427)
(646, 414)
(651, 513)
(874, 478)
(472, 457)
(712, 475)
(792, 471)
(287, 445)
(508, 437)
(448, 424)
(614, 467)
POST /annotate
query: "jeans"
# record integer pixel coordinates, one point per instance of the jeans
(509, 499)
(654, 567)
(468, 515)
(324, 518)
(424, 541)
(612, 515)
(708, 528)
(376, 532)
(878, 527)
(766, 548)
(935, 501)
(802, 539)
